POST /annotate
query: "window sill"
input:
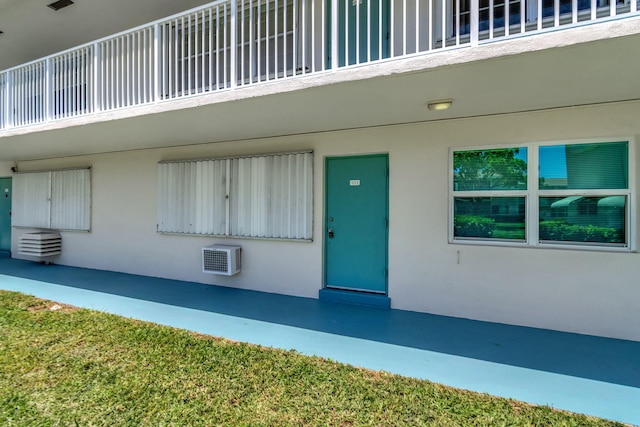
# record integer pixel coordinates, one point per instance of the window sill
(222, 236)
(556, 246)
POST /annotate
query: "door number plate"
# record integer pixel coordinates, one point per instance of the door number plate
(354, 182)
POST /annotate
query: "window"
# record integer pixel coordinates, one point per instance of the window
(567, 194)
(266, 196)
(490, 194)
(493, 14)
(584, 193)
(54, 199)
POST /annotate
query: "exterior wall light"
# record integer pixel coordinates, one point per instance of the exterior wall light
(441, 104)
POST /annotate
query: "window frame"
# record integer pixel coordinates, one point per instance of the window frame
(533, 194)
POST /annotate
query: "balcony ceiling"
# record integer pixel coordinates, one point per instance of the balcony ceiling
(33, 30)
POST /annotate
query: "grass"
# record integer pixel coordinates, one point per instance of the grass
(62, 366)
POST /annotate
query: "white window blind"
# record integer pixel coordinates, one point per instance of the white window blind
(192, 197)
(30, 205)
(54, 199)
(267, 196)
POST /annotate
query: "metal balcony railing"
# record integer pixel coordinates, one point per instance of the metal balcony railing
(228, 44)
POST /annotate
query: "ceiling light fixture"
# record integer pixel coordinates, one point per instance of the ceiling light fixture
(57, 5)
(440, 104)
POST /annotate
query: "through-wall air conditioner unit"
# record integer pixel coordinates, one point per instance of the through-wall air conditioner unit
(41, 245)
(221, 259)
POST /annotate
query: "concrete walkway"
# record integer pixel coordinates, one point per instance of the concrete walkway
(579, 373)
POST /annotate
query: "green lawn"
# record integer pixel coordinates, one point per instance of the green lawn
(70, 367)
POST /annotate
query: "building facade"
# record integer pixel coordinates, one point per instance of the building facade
(419, 155)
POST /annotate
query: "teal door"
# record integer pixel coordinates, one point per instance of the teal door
(5, 214)
(356, 223)
(363, 31)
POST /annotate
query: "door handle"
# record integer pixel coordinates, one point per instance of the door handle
(330, 233)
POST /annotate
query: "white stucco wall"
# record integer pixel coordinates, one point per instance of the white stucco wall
(5, 169)
(594, 292)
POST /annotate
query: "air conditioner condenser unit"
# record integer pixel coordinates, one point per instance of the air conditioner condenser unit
(221, 259)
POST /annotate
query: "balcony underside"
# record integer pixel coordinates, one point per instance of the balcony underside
(483, 80)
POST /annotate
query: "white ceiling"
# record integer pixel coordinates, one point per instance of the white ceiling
(33, 30)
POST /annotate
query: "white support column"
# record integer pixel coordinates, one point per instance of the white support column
(474, 24)
(233, 45)
(334, 35)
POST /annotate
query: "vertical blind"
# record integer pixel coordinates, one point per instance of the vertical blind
(30, 204)
(268, 196)
(54, 199)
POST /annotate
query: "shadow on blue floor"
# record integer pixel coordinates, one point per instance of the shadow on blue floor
(602, 359)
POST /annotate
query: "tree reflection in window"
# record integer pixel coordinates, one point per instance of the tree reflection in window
(498, 169)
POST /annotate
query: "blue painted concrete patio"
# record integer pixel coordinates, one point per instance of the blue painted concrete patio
(579, 373)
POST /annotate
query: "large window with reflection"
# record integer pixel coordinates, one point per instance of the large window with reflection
(564, 194)
(490, 189)
(584, 190)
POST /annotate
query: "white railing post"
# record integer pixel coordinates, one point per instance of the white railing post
(156, 63)
(95, 79)
(10, 95)
(48, 99)
(335, 49)
(233, 78)
(475, 18)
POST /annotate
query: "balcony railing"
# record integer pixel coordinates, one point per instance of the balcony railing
(229, 44)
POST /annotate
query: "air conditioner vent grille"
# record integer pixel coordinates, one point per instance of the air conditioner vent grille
(221, 259)
(216, 261)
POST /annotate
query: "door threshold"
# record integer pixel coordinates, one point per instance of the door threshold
(355, 297)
